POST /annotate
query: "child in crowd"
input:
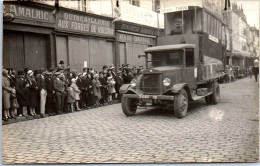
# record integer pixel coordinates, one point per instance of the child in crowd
(110, 88)
(76, 92)
(71, 98)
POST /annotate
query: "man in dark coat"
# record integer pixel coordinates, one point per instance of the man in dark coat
(119, 83)
(255, 71)
(22, 93)
(59, 89)
(50, 94)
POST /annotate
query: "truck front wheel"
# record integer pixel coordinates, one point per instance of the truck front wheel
(181, 104)
(129, 105)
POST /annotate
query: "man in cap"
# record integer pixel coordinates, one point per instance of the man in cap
(255, 69)
(59, 89)
(119, 83)
(40, 79)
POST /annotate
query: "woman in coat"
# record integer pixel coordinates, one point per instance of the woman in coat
(6, 93)
(33, 88)
(96, 88)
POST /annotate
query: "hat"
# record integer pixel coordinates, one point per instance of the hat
(30, 72)
(95, 76)
(5, 72)
(20, 72)
(25, 69)
(105, 66)
(57, 73)
(51, 69)
(61, 62)
(73, 71)
(73, 80)
(42, 70)
(119, 72)
(112, 67)
(110, 77)
(48, 73)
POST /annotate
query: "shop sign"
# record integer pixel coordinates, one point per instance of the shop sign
(137, 29)
(213, 38)
(131, 13)
(214, 6)
(168, 6)
(22, 13)
(84, 24)
(174, 9)
(135, 39)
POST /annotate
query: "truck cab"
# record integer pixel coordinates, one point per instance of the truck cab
(169, 81)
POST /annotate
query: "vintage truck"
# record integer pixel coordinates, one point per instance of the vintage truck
(175, 74)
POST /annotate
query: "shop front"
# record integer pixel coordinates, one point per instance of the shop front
(131, 40)
(28, 36)
(84, 40)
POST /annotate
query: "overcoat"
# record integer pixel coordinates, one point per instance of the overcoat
(96, 88)
(6, 92)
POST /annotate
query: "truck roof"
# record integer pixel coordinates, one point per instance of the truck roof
(169, 47)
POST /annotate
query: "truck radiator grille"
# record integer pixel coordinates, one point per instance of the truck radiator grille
(151, 83)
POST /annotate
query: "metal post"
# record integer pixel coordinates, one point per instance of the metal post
(195, 20)
(158, 31)
(182, 28)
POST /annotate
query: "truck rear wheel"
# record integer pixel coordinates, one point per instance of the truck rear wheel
(215, 93)
(181, 104)
(129, 106)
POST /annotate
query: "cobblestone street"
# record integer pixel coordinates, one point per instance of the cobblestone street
(227, 132)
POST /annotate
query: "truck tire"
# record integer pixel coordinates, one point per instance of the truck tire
(181, 104)
(215, 97)
(128, 105)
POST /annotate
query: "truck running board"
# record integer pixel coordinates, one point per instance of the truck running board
(196, 97)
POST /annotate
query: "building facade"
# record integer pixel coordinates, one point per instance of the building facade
(28, 39)
(78, 33)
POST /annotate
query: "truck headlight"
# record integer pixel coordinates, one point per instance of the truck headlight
(133, 83)
(166, 82)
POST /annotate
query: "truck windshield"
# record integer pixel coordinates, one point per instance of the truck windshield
(165, 58)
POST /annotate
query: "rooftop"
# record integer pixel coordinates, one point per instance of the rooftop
(169, 47)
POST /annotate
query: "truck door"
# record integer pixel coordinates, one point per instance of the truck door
(189, 70)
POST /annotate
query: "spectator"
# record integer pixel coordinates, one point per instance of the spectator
(59, 89)
(40, 79)
(76, 93)
(33, 88)
(50, 109)
(71, 98)
(23, 93)
(6, 93)
(119, 83)
(111, 88)
(96, 89)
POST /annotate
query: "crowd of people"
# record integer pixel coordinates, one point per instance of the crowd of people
(60, 90)
(233, 73)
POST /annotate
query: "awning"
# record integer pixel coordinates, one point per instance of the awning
(241, 54)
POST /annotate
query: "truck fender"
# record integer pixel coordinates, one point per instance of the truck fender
(124, 88)
(178, 87)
